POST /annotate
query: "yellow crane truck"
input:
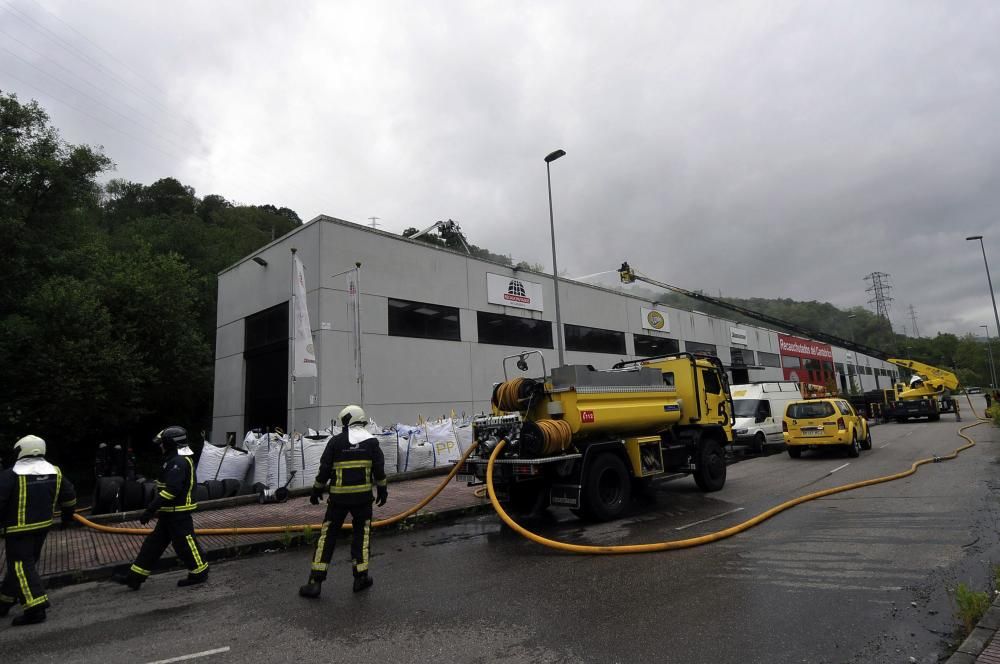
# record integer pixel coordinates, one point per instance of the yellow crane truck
(584, 438)
(925, 395)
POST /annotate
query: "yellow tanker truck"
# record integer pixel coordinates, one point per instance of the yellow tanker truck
(584, 438)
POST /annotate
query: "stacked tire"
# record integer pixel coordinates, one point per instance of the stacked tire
(108, 495)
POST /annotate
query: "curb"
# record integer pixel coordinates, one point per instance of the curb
(168, 563)
(975, 643)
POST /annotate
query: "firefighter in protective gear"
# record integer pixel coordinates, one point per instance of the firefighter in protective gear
(172, 507)
(350, 464)
(30, 492)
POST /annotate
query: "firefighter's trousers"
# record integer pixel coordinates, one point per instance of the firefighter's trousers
(336, 513)
(176, 529)
(22, 583)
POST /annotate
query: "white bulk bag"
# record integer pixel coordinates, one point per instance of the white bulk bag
(442, 436)
(304, 459)
(414, 454)
(387, 443)
(463, 434)
(222, 463)
(271, 461)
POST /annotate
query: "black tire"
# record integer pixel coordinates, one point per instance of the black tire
(231, 488)
(200, 493)
(216, 489)
(711, 471)
(866, 444)
(607, 488)
(148, 493)
(901, 420)
(854, 447)
(933, 418)
(759, 443)
(132, 495)
(107, 495)
(794, 451)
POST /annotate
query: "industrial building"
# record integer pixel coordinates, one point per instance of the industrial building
(435, 325)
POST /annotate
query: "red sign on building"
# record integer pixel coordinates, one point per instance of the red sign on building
(806, 361)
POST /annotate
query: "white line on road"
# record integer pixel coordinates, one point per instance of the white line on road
(182, 658)
(711, 518)
(838, 468)
(886, 445)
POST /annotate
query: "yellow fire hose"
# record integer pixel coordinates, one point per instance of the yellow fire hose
(564, 546)
(297, 528)
(710, 537)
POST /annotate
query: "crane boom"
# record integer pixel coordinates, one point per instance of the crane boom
(628, 276)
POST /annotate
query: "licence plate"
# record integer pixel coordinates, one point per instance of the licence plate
(812, 432)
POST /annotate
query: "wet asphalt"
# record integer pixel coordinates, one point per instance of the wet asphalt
(858, 577)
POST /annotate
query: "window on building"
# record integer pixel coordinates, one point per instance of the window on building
(424, 321)
(790, 362)
(768, 359)
(647, 346)
(698, 347)
(513, 330)
(840, 367)
(594, 340)
(741, 357)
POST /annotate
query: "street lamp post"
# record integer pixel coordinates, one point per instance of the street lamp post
(989, 282)
(549, 158)
(989, 354)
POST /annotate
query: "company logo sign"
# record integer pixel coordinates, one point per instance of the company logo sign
(655, 320)
(737, 336)
(513, 292)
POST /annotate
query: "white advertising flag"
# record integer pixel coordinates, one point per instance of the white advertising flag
(304, 353)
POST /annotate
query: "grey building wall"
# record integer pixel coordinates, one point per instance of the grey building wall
(405, 378)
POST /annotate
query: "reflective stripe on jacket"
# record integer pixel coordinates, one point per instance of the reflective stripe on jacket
(30, 493)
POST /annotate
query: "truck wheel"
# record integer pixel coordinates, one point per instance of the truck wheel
(854, 449)
(759, 443)
(607, 488)
(711, 471)
(933, 418)
(794, 451)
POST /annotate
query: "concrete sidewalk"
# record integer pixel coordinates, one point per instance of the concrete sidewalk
(82, 554)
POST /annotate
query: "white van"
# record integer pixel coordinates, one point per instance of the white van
(759, 409)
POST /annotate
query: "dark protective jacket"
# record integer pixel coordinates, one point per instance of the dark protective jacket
(176, 485)
(30, 493)
(351, 460)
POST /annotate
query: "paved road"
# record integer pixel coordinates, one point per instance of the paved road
(859, 577)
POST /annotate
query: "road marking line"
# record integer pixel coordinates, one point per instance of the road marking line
(711, 518)
(182, 658)
(886, 445)
(839, 468)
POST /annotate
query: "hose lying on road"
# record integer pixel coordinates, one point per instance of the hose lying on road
(710, 537)
(297, 528)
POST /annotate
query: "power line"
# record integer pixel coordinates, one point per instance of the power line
(59, 41)
(95, 100)
(90, 115)
(90, 83)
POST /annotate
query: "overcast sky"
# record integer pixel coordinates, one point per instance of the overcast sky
(760, 149)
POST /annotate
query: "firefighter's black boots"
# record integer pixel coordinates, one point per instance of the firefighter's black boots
(362, 581)
(311, 590)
